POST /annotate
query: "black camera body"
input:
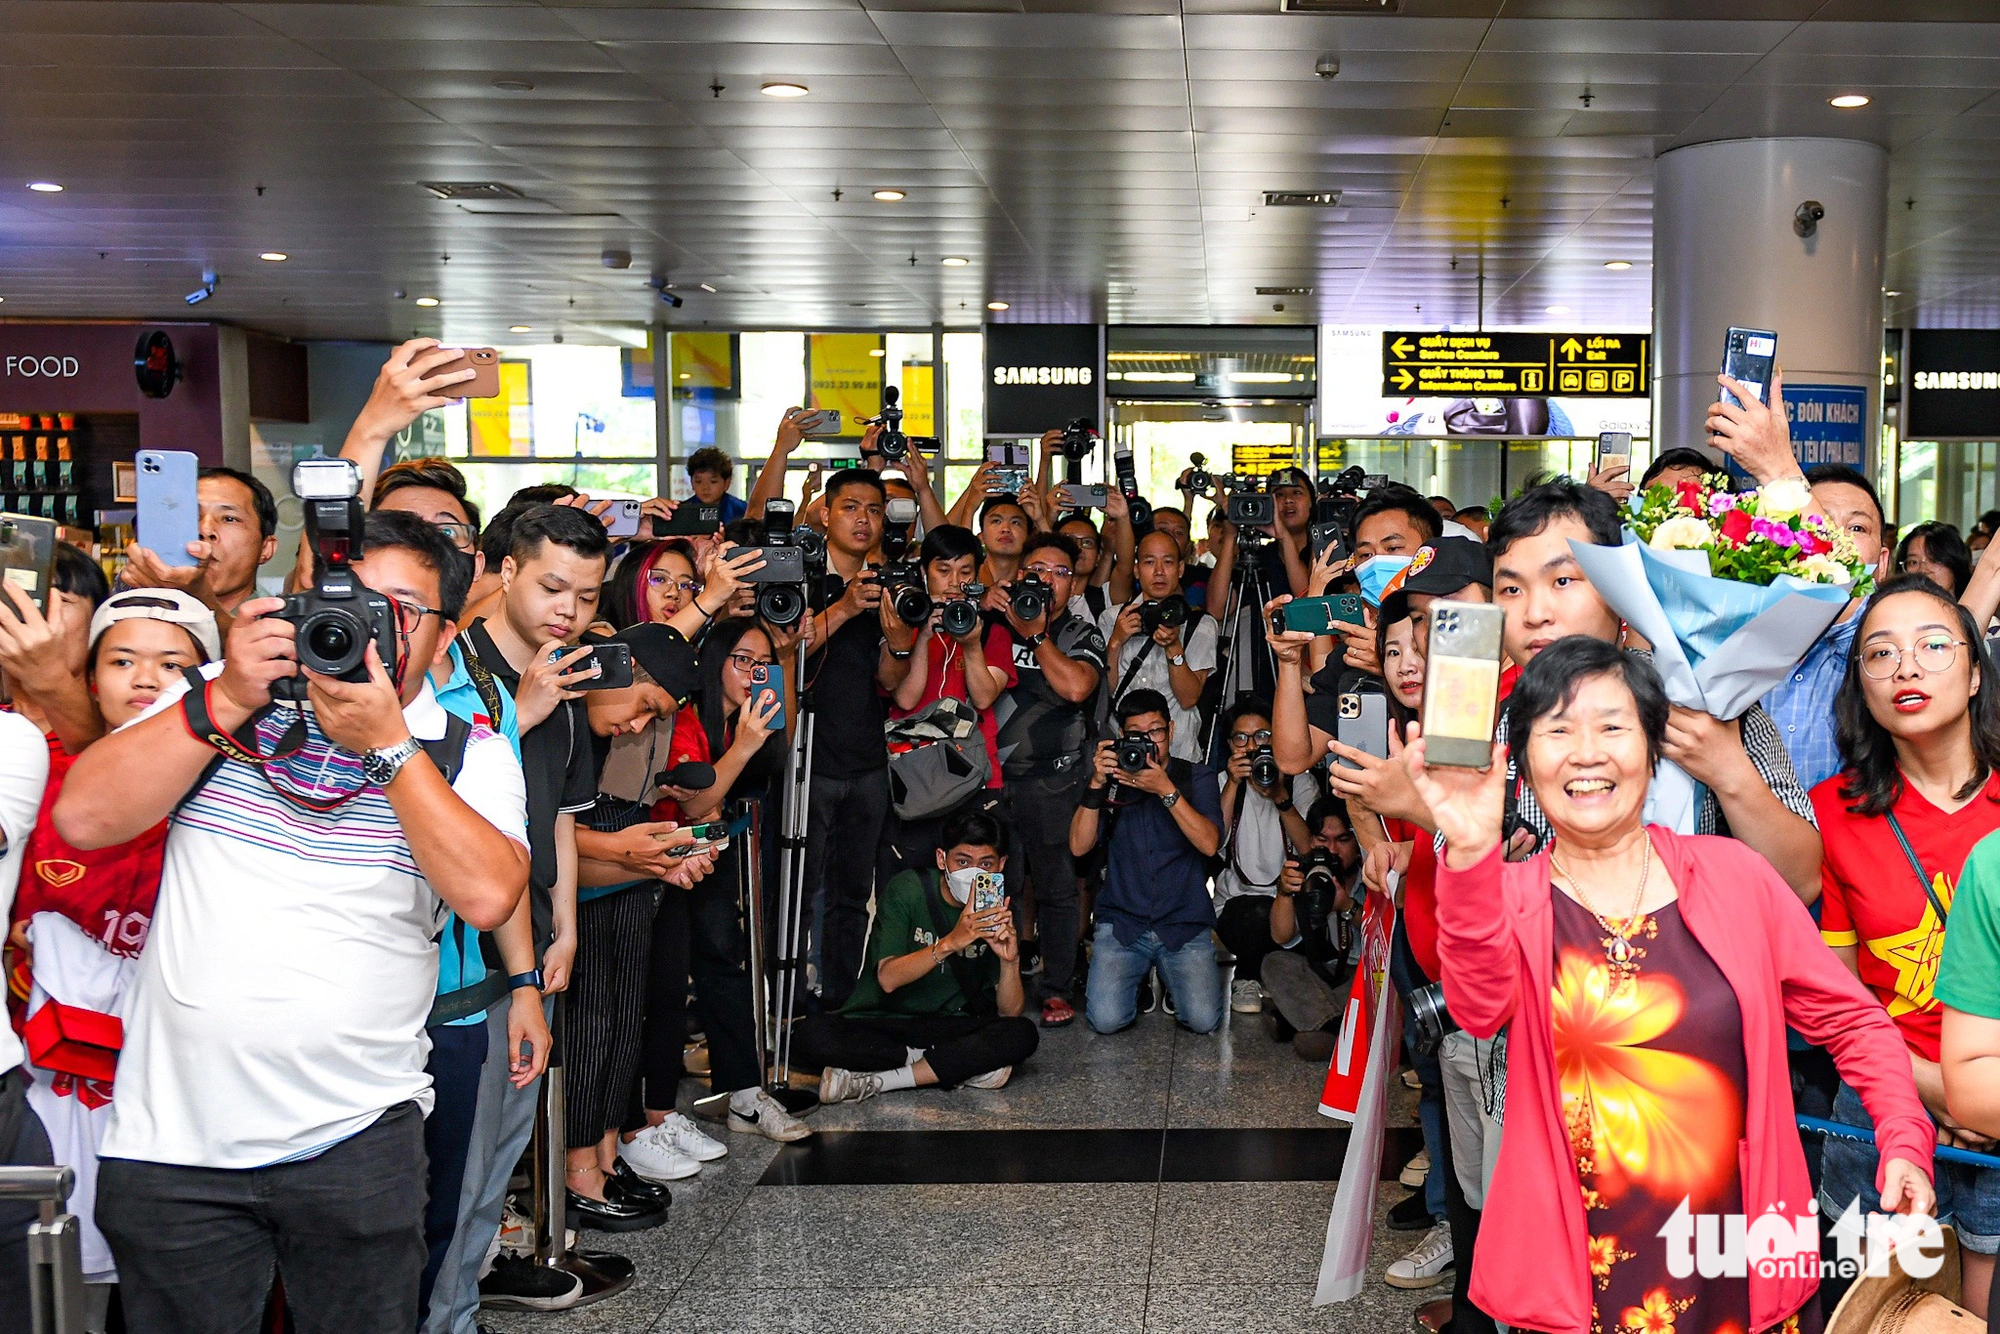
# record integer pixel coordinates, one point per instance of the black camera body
(1029, 597)
(1199, 479)
(959, 617)
(794, 557)
(1264, 770)
(338, 616)
(1134, 753)
(1078, 439)
(1253, 509)
(902, 583)
(1171, 611)
(1126, 474)
(892, 444)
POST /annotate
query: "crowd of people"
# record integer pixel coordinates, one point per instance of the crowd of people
(289, 952)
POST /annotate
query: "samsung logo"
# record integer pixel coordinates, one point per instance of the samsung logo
(1043, 375)
(1955, 380)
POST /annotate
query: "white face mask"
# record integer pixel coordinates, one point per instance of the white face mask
(958, 884)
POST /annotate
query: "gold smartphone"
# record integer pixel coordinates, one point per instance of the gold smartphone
(1462, 684)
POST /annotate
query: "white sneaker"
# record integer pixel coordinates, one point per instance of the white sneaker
(770, 1120)
(1411, 1081)
(686, 1138)
(1426, 1265)
(517, 1235)
(1416, 1170)
(1246, 996)
(992, 1079)
(655, 1158)
(838, 1085)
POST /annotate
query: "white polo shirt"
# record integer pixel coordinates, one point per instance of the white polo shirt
(24, 772)
(279, 1005)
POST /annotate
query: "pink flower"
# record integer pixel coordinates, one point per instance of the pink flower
(1721, 503)
(1773, 531)
(1812, 544)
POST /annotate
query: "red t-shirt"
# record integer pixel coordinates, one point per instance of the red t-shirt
(1870, 897)
(1420, 921)
(946, 677)
(109, 892)
(689, 743)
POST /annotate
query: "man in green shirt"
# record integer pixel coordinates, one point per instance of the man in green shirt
(939, 999)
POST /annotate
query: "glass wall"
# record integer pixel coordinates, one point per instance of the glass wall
(1472, 470)
(1952, 481)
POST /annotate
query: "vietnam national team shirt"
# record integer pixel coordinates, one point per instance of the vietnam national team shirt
(1872, 900)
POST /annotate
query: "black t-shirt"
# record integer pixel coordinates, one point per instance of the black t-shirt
(848, 710)
(559, 767)
(1040, 732)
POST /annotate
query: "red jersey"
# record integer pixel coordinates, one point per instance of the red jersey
(109, 892)
(1870, 897)
(1420, 923)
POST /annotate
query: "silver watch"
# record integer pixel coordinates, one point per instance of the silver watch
(380, 767)
(1178, 659)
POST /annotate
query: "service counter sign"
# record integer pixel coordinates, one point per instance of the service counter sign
(1041, 377)
(1433, 364)
(1954, 385)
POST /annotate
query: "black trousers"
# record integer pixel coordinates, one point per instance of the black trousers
(23, 1143)
(604, 1017)
(1464, 1222)
(1038, 812)
(843, 827)
(698, 933)
(345, 1230)
(1245, 927)
(959, 1047)
(458, 1055)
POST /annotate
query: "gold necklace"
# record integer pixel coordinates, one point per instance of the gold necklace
(1619, 951)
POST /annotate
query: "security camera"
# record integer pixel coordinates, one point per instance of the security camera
(660, 285)
(671, 299)
(204, 292)
(1806, 220)
(1326, 67)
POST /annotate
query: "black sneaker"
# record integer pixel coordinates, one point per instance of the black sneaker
(517, 1284)
(1149, 995)
(1411, 1214)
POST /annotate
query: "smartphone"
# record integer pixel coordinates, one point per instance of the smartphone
(1462, 684)
(1748, 356)
(1319, 615)
(691, 519)
(782, 565)
(1325, 538)
(1363, 724)
(769, 679)
(614, 666)
(1614, 450)
(622, 519)
(1083, 495)
(988, 890)
(484, 363)
(1010, 460)
(169, 508)
(28, 556)
(819, 421)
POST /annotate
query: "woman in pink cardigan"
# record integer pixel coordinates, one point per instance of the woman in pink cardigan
(1645, 980)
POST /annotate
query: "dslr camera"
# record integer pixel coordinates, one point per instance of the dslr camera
(338, 616)
(1171, 611)
(959, 617)
(781, 592)
(900, 577)
(1029, 597)
(1264, 771)
(892, 444)
(1078, 439)
(1134, 753)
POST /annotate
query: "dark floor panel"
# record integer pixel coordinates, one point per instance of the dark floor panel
(933, 1157)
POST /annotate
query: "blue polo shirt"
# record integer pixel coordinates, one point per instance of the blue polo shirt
(460, 964)
(1154, 879)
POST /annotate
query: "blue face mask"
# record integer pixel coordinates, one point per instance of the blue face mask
(1375, 573)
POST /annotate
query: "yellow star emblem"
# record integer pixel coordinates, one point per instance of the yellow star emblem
(1915, 954)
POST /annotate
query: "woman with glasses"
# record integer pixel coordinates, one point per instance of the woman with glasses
(1939, 554)
(672, 582)
(1921, 736)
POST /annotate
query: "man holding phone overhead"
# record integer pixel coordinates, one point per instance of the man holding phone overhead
(239, 532)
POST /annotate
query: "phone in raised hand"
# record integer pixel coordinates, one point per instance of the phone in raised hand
(1748, 356)
(1462, 684)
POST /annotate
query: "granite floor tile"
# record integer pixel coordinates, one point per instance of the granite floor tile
(1221, 1231)
(1093, 1308)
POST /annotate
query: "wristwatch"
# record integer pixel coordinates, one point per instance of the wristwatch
(1172, 799)
(380, 767)
(1178, 659)
(531, 978)
(1039, 638)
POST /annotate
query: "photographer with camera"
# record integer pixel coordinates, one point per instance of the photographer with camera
(1004, 528)
(1044, 724)
(1312, 932)
(1158, 643)
(278, 1107)
(1164, 815)
(1261, 823)
(1283, 560)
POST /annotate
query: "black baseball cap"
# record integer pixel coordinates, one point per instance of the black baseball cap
(1440, 568)
(665, 655)
(1289, 477)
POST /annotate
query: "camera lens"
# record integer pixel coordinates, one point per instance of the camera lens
(1264, 768)
(331, 641)
(892, 445)
(1029, 601)
(960, 618)
(912, 605)
(780, 605)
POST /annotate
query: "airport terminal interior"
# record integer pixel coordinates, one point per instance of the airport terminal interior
(1459, 246)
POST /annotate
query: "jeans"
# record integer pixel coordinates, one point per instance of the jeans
(842, 830)
(1466, 1064)
(345, 1229)
(458, 1056)
(1038, 811)
(23, 1143)
(1111, 1000)
(959, 1047)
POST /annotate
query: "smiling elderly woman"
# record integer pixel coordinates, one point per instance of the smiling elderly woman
(1645, 980)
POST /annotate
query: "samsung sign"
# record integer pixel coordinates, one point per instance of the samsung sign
(1040, 377)
(1953, 380)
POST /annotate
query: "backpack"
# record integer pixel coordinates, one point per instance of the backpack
(937, 758)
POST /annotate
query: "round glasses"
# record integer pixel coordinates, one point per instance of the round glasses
(1260, 737)
(1932, 653)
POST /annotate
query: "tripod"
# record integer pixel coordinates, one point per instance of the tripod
(1240, 652)
(794, 899)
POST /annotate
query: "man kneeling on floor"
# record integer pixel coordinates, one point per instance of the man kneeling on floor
(939, 1000)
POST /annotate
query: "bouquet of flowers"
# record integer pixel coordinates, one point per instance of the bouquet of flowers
(1731, 590)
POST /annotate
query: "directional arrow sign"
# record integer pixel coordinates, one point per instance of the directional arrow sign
(1425, 364)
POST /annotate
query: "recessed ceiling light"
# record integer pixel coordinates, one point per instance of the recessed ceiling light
(274, 256)
(45, 187)
(996, 305)
(520, 328)
(954, 261)
(1848, 101)
(784, 88)
(1887, 291)
(1555, 310)
(427, 301)
(890, 196)
(705, 287)
(514, 85)
(1618, 265)
(687, 375)
(877, 352)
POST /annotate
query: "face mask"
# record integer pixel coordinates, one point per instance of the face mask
(958, 884)
(1375, 573)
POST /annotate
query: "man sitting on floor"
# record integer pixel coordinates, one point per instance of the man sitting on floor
(939, 1000)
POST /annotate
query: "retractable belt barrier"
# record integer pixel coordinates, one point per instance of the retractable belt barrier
(55, 1254)
(1863, 1135)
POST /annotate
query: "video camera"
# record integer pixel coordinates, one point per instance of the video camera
(1079, 438)
(338, 616)
(892, 444)
(1337, 500)
(793, 558)
(1250, 507)
(1198, 478)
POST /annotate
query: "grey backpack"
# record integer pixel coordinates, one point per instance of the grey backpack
(937, 758)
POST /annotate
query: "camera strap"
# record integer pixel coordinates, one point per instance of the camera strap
(242, 748)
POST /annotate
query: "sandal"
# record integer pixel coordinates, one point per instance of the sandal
(1057, 1013)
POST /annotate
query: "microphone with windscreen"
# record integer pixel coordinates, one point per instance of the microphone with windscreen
(690, 775)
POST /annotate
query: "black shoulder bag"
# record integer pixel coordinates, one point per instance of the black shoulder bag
(1930, 890)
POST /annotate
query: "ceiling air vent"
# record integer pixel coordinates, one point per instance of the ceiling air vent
(1301, 198)
(1284, 291)
(464, 190)
(1339, 6)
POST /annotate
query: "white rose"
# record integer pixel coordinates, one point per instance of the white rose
(1825, 569)
(1783, 498)
(1685, 531)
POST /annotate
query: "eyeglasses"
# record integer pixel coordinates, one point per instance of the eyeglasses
(661, 579)
(1933, 653)
(1049, 571)
(1089, 542)
(1153, 734)
(1260, 737)
(409, 615)
(460, 535)
(746, 662)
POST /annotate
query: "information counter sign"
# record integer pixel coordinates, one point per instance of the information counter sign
(1429, 364)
